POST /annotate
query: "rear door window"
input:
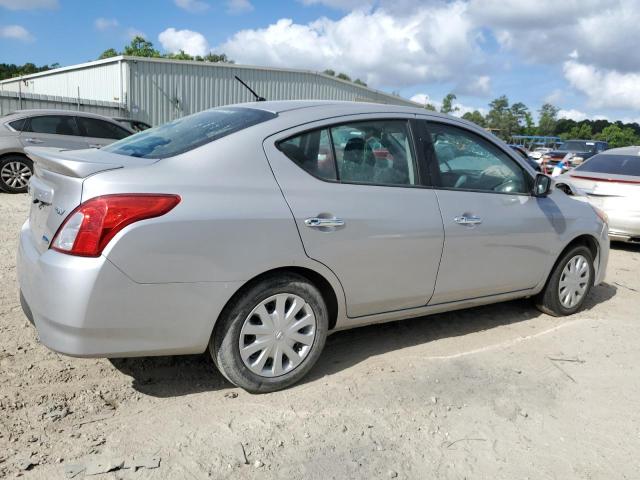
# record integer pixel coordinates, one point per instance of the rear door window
(96, 128)
(612, 164)
(313, 152)
(187, 133)
(52, 124)
(18, 125)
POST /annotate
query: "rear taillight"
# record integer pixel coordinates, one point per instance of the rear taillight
(90, 227)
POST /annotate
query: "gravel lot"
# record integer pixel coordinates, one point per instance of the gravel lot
(494, 392)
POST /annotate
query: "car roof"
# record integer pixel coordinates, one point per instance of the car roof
(50, 111)
(632, 150)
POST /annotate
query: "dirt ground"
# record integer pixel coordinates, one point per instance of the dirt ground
(498, 392)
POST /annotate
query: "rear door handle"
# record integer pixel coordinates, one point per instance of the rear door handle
(33, 140)
(316, 222)
(468, 220)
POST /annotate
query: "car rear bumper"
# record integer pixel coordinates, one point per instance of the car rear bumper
(87, 307)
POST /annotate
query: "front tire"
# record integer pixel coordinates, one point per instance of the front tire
(569, 283)
(15, 172)
(272, 334)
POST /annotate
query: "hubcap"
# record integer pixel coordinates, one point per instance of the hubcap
(277, 335)
(15, 174)
(574, 281)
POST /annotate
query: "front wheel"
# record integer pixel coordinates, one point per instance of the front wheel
(271, 335)
(569, 283)
(15, 172)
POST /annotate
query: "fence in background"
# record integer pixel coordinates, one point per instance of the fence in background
(13, 101)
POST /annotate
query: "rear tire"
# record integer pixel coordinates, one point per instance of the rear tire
(15, 172)
(569, 283)
(280, 323)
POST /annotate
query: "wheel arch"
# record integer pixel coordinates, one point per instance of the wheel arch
(586, 240)
(329, 295)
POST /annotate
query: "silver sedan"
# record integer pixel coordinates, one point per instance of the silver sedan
(255, 230)
(611, 181)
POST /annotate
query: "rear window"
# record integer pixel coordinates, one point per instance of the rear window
(190, 132)
(578, 146)
(613, 164)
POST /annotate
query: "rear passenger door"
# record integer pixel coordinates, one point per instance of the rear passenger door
(59, 131)
(355, 191)
(99, 133)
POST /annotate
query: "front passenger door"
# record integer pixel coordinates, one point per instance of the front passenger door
(497, 238)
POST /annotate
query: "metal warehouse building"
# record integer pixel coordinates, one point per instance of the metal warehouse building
(157, 90)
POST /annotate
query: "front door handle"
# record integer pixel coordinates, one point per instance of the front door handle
(95, 145)
(468, 220)
(316, 222)
(33, 140)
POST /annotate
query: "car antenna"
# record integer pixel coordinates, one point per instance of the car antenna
(258, 97)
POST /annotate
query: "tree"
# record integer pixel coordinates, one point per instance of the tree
(10, 70)
(108, 53)
(139, 47)
(217, 58)
(447, 104)
(548, 119)
(181, 55)
(343, 76)
(475, 117)
(499, 117)
(357, 81)
(580, 131)
(330, 72)
(618, 137)
(518, 117)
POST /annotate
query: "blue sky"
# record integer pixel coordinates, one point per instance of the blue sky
(582, 58)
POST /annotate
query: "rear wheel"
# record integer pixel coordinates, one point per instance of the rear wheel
(271, 335)
(15, 172)
(569, 283)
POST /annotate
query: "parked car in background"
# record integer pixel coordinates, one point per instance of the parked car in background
(539, 152)
(574, 152)
(611, 181)
(48, 128)
(253, 230)
(134, 125)
(520, 150)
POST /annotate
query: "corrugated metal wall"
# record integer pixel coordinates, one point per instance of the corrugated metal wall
(160, 91)
(97, 82)
(12, 101)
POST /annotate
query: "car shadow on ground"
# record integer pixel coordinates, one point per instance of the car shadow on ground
(172, 376)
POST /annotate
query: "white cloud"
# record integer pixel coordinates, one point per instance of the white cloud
(28, 4)
(16, 32)
(433, 44)
(573, 114)
(239, 6)
(189, 41)
(478, 85)
(192, 6)
(604, 88)
(105, 23)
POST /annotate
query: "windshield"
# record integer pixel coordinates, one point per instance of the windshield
(578, 146)
(613, 164)
(189, 132)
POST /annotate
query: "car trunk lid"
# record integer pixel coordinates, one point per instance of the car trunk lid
(56, 185)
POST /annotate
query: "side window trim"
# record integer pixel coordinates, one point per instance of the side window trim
(433, 159)
(411, 137)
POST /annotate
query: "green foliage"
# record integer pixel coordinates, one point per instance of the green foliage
(357, 81)
(580, 131)
(139, 47)
(108, 53)
(548, 119)
(343, 76)
(500, 117)
(447, 104)
(430, 106)
(618, 136)
(475, 117)
(10, 70)
(330, 72)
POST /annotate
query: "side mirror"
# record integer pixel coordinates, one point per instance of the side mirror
(542, 185)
